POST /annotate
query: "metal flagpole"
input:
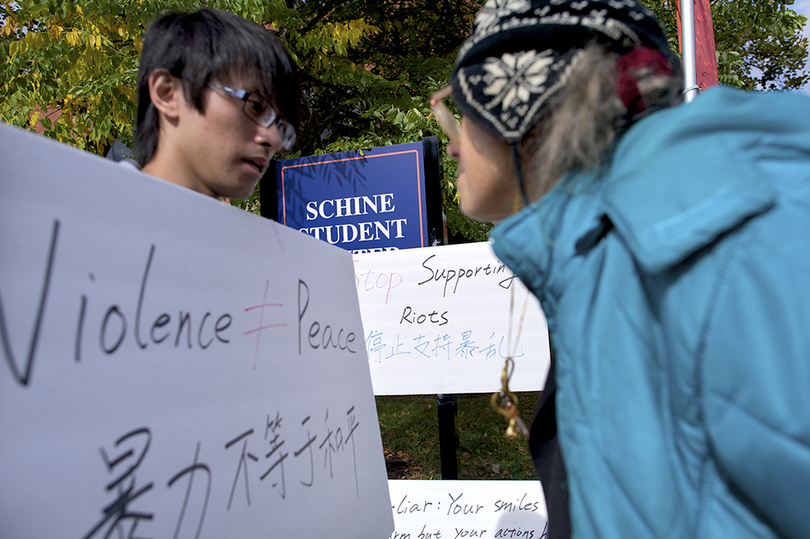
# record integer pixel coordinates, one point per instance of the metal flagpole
(688, 47)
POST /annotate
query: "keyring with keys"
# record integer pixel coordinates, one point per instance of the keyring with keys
(505, 403)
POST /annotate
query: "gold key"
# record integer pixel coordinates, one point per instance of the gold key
(505, 403)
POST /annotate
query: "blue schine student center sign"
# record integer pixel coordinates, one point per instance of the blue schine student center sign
(366, 201)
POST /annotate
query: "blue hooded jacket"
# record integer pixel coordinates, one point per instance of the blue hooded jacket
(676, 283)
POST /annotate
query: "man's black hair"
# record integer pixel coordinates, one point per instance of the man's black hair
(212, 44)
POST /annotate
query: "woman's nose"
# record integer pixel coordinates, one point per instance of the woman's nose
(453, 151)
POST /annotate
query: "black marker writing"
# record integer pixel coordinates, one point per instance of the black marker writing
(118, 512)
(114, 328)
(406, 506)
(140, 298)
(519, 532)
(24, 377)
(242, 466)
(319, 337)
(122, 332)
(307, 445)
(190, 471)
(465, 509)
(272, 431)
(412, 317)
(77, 349)
(463, 532)
(519, 505)
(450, 275)
(353, 424)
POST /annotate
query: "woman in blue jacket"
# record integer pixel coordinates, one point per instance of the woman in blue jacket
(669, 245)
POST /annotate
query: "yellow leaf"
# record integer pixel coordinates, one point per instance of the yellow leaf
(79, 10)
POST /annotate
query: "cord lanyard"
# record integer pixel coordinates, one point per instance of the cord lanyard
(505, 401)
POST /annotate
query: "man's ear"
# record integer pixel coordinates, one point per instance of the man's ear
(166, 93)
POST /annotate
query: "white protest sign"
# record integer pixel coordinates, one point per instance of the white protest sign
(437, 320)
(173, 367)
(466, 509)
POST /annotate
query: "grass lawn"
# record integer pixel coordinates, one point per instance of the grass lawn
(410, 436)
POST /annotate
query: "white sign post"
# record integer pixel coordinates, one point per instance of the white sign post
(173, 367)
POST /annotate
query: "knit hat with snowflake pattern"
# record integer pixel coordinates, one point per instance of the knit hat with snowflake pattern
(520, 54)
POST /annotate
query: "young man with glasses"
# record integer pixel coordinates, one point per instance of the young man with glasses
(218, 96)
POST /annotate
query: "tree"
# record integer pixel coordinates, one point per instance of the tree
(71, 67)
(759, 43)
(767, 37)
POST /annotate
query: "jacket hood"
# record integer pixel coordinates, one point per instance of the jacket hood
(662, 223)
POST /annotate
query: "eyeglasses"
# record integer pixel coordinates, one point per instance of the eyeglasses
(446, 120)
(259, 111)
